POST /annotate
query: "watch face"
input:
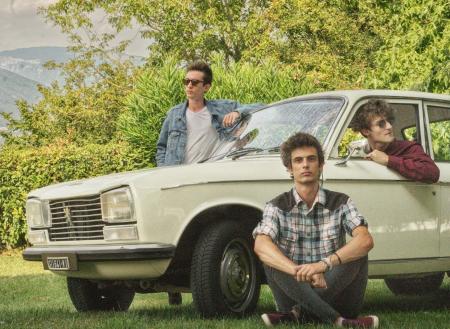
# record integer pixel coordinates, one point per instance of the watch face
(328, 263)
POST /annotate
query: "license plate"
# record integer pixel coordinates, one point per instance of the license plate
(60, 262)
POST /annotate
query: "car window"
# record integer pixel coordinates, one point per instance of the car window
(405, 128)
(439, 119)
(271, 126)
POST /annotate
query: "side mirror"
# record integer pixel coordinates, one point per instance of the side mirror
(358, 145)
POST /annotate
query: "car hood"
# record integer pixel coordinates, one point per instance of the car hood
(89, 186)
(243, 169)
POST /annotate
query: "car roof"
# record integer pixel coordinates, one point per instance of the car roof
(354, 95)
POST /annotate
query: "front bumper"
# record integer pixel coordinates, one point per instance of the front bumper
(111, 262)
(100, 253)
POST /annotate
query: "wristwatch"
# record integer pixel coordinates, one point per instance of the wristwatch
(327, 262)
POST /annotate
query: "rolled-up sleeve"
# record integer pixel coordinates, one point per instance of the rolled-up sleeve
(351, 218)
(269, 224)
(415, 165)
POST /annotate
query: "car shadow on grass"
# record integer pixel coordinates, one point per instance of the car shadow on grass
(439, 300)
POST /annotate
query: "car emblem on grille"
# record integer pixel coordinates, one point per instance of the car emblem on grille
(68, 215)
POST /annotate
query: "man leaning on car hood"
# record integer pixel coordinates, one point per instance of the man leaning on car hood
(194, 130)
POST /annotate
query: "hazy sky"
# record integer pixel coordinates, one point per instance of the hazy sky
(22, 27)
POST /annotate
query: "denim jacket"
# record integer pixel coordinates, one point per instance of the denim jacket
(170, 149)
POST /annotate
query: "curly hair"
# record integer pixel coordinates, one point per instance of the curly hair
(202, 67)
(367, 112)
(297, 141)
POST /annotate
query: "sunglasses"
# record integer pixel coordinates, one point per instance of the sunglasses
(383, 122)
(194, 82)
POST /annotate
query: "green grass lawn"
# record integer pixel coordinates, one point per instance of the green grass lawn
(33, 298)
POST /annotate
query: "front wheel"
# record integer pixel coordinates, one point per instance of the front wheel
(224, 271)
(87, 296)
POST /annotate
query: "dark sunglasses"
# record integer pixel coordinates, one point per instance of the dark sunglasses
(194, 82)
(383, 122)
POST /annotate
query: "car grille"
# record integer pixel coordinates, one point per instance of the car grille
(76, 219)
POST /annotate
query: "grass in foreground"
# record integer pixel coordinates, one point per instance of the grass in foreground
(33, 298)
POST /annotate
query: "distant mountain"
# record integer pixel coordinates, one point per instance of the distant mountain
(29, 62)
(12, 88)
(42, 54)
(22, 69)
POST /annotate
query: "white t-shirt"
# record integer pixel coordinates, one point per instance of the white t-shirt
(202, 138)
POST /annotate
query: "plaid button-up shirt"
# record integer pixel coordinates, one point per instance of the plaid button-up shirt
(309, 235)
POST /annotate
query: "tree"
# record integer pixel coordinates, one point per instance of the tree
(185, 29)
(328, 40)
(415, 51)
(82, 111)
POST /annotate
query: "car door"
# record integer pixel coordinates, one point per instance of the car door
(403, 215)
(437, 118)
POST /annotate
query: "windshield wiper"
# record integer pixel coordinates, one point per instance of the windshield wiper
(241, 152)
(238, 153)
(273, 149)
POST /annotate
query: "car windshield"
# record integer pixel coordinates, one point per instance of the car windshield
(266, 129)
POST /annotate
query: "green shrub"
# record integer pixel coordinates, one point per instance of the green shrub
(22, 170)
(160, 88)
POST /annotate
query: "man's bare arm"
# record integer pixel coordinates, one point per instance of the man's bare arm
(357, 248)
(269, 253)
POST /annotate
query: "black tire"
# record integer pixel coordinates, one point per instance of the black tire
(86, 296)
(224, 274)
(415, 286)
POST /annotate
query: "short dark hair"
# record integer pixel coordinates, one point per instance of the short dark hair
(202, 67)
(367, 112)
(296, 141)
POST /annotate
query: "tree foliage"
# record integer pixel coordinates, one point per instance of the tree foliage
(329, 40)
(339, 43)
(182, 28)
(415, 49)
(22, 170)
(82, 111)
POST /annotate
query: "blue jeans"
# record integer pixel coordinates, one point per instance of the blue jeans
(343, 297)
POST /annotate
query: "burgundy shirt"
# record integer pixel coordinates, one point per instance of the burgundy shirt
(410, 161)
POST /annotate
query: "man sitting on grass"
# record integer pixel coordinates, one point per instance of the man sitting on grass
(312, 272)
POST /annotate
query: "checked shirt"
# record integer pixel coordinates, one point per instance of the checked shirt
(309, 235)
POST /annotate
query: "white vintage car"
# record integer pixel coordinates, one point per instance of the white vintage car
(188, 228)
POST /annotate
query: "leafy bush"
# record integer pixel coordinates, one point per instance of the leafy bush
(26, 169)
(415, 45)
(83, 111)
(160, 88)
(440, 136)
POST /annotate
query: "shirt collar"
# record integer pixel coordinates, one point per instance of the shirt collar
(320, 197)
